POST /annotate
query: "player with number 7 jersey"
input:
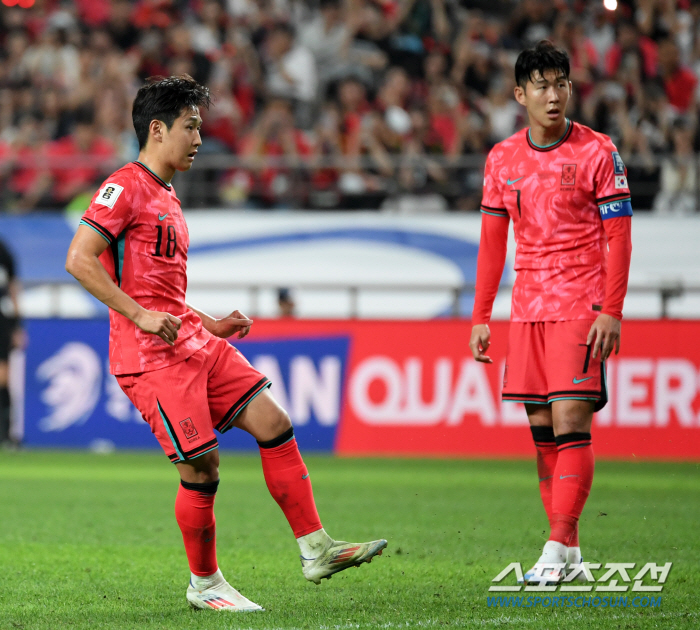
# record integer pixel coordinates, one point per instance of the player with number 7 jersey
(140, 217)
(564, 187)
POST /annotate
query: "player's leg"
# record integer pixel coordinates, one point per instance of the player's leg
(174, 402)
(5, 343)
(289, 484)
(194, 512)
(4, 404)
(540, 418)
(577, 389)
(573, 475)
(525, 381)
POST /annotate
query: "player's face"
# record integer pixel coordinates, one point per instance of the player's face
(181, 141)
(546, 98)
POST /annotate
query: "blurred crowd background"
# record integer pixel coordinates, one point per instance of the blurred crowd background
(330, 104)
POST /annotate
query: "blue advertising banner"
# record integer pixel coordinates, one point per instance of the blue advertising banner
(71, 399)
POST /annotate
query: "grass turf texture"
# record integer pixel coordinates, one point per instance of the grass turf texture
(90, 541)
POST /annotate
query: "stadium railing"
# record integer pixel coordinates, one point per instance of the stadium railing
(325, 182)
(60, 294)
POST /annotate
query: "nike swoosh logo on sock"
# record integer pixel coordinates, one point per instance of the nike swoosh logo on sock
(545, 478)
(566, 476)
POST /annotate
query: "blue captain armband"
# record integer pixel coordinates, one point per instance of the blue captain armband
(618, 208)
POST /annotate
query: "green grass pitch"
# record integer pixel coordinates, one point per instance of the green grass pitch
(90, 541)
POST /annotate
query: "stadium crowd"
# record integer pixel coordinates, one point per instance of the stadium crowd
(339, 103)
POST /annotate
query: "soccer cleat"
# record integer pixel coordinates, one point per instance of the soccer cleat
(573, 562)
(338, 556)
(220, 596)
(543, 573)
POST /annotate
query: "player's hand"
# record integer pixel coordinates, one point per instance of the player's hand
(234, 323)
(604, 335)
(480, 342)
(164, 325)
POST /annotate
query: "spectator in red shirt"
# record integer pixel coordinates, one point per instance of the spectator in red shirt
(75, 164)
(275, 185)
(679, 81)
(629, 43)
(25, 162)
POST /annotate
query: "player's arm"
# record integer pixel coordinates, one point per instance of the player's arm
(84, 265)
(227, 326)
(605, 332)
(615, 206)
(490, 262)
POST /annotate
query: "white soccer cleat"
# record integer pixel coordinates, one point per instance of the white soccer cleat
(218, 594)
(573, 562)
(338, 556)
(544, 572)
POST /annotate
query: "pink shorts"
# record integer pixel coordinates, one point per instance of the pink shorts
(550, 361)
(185, 402)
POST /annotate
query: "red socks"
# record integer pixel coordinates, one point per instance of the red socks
(288, 482)
(194, 512)
(573, 477)
(546, 461)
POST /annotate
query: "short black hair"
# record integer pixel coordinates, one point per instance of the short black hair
(164, 99)
(540, 58)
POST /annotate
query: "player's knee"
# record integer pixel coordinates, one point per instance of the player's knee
(204, 469)
(573, 417)
(280, 422)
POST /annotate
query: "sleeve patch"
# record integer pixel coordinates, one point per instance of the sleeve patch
(622, 208)
(618, 164)
(621, 182)
(109, 194)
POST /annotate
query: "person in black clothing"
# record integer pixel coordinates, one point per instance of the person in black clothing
(9, 334)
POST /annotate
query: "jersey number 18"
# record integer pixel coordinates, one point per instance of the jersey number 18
(170, 243)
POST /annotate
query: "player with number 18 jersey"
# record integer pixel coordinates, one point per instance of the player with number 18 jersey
(140, 217)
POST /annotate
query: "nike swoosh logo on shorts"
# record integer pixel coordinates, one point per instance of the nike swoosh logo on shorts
(566, 476)
(510, 182)
(160, 218)
(580, 380)
(305, 476)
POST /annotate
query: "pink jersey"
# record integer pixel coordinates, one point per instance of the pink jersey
(558, 197)
(140, 217)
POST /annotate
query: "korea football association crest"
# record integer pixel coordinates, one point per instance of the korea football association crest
(568, 175)
(189, 429)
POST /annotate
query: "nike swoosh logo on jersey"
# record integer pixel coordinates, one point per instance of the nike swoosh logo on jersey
(580, 380)
(510, 182)
(160, 218)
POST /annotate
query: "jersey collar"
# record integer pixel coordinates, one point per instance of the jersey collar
(554, 145)
(152, 174)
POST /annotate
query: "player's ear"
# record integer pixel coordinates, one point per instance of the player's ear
(519, 95)
(155, 130)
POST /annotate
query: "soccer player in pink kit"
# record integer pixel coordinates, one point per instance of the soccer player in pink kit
(564, 187)
(173, 361)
